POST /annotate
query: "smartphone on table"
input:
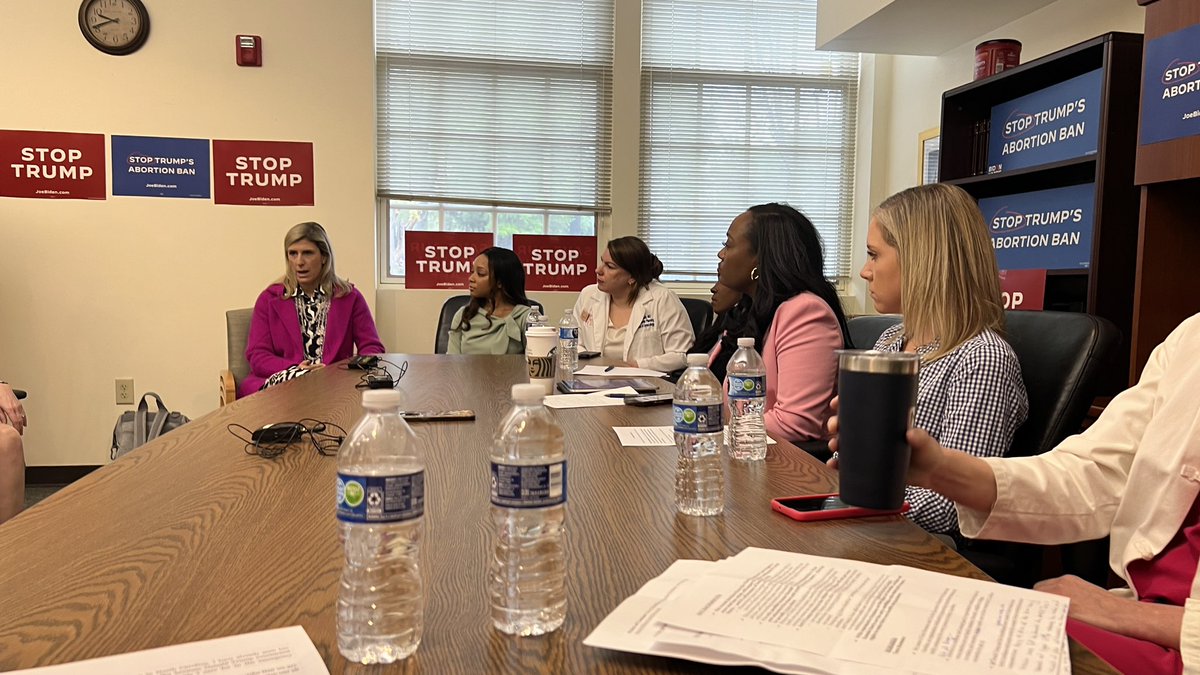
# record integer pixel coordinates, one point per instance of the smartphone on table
(588, 355)
(826, 507)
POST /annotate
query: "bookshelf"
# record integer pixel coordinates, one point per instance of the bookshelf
(1168, 173)
(1101, 279)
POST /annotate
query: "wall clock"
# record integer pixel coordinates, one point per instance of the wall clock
(115, 27)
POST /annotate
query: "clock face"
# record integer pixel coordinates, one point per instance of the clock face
(114, 26)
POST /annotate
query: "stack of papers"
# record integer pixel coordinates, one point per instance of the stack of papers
(618, 371)
(592, 400)
(796, 613)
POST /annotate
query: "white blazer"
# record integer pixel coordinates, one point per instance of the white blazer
(1133, 475)
(659, 333)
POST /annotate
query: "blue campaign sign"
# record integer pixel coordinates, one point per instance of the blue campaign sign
(1042, 230)
(1171, 87)
(1056, 123)
(146, 166)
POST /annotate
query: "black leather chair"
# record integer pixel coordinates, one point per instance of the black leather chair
(699, 313)
(441, 339)
(1062, 356)
(866, 329)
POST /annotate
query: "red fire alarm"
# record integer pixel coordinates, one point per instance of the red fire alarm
(249, 50)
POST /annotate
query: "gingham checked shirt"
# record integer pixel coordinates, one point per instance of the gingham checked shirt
(972, 399)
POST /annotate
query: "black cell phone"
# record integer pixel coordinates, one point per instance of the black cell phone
(363, 362)
(588, 355)
(649, 399)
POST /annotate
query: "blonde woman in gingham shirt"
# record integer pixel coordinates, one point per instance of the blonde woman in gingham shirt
(930, 259)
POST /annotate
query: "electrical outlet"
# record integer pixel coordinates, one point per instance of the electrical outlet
(124, 391)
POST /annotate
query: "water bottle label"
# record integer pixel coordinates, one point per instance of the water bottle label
(380, 499)
(568, 333)
(698, 419)
(747, 387)
(524, 486)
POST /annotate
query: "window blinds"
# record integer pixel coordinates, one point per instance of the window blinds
(503, 102)
(738, 109)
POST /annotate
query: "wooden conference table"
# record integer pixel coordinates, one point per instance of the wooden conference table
(190, 538)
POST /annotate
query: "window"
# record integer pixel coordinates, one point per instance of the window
(741, 112)
(493, 116)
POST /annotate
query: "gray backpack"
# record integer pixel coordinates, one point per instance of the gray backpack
(134, 428)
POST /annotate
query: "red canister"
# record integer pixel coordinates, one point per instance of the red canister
(994, 56)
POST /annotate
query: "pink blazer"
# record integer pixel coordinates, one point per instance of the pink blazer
(801, 363)
(275, 344)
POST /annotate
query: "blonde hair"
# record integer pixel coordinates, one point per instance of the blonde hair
(328, 280)
(949, 281)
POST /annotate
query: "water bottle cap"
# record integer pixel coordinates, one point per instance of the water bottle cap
(746, 342)
(529, 391)
(697, 360)
(381, 398)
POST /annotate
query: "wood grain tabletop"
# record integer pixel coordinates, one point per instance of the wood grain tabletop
(191, 538)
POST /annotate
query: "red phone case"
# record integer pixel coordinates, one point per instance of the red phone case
(848, 512)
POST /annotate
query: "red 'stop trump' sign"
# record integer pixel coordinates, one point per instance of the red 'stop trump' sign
(1023, 289)
(262, 173)
(52, 165)
(556, 262)
(441, 259)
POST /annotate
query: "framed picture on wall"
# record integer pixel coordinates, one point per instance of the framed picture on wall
(929, 149)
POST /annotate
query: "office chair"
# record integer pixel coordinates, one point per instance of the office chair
(866, 329)
(441, 339)
(237, 332)
(1062, 356)
(699, 313)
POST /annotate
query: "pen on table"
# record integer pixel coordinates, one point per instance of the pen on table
(609, 369)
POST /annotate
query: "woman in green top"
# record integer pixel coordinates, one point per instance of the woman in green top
(494, 321)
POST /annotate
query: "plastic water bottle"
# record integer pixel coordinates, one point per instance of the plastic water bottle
(568, 345)
(534, 318)
(699, 435)
(747, 378)
(380, 509)
(529, 495)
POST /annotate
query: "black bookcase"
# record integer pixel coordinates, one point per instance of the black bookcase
(1106, 287)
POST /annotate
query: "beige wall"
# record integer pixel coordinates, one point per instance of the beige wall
(136, 286)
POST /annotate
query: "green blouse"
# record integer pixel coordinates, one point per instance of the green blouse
(503, 336)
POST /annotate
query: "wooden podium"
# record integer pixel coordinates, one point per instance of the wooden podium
(1168, 257)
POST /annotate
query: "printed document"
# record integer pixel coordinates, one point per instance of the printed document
(795, 613)
(275, 652)
(652, 437)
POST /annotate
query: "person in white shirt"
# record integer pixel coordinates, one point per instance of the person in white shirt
(1132, 475)
(628, 315)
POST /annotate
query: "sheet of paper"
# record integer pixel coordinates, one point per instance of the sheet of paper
(281, 650)
(653, 437)
(645, 437)
(618, 371)
(884, 616)
(593, 400)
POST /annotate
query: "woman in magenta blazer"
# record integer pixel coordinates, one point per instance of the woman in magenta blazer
(308, 318)
(772, 255)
